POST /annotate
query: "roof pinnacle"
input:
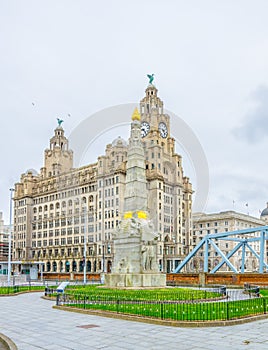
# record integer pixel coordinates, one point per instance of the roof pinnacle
(136, 115)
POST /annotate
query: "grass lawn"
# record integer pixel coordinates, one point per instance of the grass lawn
(173, 304)
(17, 289)
(172, 294)
(208, 311)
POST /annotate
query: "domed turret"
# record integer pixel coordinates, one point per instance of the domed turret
(119, 142)
(264, 212)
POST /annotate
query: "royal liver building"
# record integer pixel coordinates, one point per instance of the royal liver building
(65, 217)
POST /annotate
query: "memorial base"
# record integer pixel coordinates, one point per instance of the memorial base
(121, 280)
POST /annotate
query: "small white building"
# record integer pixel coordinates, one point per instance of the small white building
(4, 232)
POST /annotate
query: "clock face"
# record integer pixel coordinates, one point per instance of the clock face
(163, 129)
(145, 128)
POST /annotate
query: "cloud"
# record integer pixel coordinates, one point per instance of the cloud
(255, 127)
(241, 188)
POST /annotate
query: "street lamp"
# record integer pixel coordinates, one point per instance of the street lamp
(9, 237)
(103, 259)
(85, 247)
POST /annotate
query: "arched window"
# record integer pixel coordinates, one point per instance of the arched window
(109, 266)
(88, 266)
(54, 266)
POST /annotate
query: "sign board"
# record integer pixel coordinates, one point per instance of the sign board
(62, 286)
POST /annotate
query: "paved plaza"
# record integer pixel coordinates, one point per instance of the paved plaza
(33, 324)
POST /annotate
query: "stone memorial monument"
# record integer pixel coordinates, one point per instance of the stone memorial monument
(135, 241)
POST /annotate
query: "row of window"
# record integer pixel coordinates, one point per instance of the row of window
(58, 241)
(208, 224)
(204, 232)
(20, 219)
(108, 182)
(19, 228)
(20, 211)
(57, 223)
(72, 221)
(63, 232)
(62, 241)
(63, 204)
(64, 213)
(226, 223)
(65, 194)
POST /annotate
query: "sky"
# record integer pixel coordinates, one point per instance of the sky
(71, 59)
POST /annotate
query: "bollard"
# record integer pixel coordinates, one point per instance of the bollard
(257, 291)
(223, 290)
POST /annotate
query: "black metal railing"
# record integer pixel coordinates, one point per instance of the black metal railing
(179, 310)
(252, 289)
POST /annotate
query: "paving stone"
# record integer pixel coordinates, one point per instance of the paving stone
(33, 324)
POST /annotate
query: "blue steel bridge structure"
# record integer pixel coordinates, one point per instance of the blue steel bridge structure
(243, 240)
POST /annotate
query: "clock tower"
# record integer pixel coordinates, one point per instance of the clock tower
(169, 191)
(58, 158)
(155, 124)
(152, 115)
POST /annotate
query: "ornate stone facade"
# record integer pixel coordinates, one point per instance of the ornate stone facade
(58, 209)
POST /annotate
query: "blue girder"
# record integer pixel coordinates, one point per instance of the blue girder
(243, 243)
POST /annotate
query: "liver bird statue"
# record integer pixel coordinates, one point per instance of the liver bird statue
(151, 78)
(60, 121)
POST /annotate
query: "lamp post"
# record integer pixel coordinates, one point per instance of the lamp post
(103, 259)
(85, 248)
(9, 237)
